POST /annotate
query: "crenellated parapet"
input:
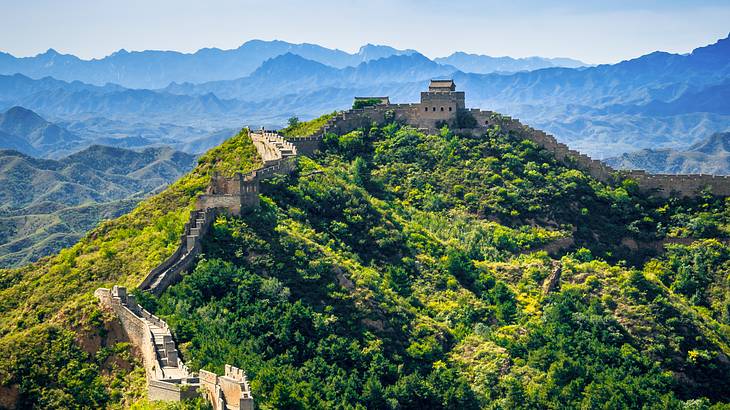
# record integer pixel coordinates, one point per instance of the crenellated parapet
(167, 376)
(228, 392)
(241, 191)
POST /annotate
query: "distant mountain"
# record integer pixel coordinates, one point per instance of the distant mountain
(9, 141)
(49, 204)
(659, 100)
(72, 101)
(610, 109)
(711, 156)
(482, 64)
(157, 69)
(713, 99)
(26, 131)
(292, 74)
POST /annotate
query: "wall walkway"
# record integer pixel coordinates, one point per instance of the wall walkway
(167, 376)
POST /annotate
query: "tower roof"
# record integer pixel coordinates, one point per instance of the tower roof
(442, 85)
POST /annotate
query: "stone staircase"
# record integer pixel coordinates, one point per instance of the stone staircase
(272, 146)
(168, 377)
(166, 373)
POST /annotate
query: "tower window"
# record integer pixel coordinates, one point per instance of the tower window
(434, 109)
(442, 108)
(450, 108)
(425, 108)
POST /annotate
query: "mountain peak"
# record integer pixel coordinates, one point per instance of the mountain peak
(50, 53)
(23, 113)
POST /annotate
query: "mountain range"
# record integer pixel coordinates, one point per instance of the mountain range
(660, 100)
(49, 204)
(711, 156)
(481, 64)
(157, 69)
(27, 132)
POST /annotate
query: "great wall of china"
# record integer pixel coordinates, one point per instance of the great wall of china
(168, 377)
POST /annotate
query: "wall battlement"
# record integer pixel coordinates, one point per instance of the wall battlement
(228, 392)
(167, 376)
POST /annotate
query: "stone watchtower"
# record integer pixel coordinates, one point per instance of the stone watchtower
(441, 102)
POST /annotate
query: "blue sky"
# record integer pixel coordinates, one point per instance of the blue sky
(594, 31)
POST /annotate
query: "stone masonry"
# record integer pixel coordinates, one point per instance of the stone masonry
(167, 377)
(228, 392)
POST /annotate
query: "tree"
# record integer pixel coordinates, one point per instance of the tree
(293, 121)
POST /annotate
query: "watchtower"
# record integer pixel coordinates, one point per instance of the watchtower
(441, 102)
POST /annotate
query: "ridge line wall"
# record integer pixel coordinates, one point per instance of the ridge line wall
(184, 255)
(660, 184)
(233, 194)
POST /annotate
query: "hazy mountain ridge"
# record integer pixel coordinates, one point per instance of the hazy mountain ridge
(26, 131)
(292, 74)
(49, 204)
(156, 69)
(657, 100)
(711, 156)
(484, 64)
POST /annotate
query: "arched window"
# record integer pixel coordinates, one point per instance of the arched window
(450, 109)
(425, 109)
(434, 109)
(442, 108)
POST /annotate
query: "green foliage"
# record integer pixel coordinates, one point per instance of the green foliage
(56, 292)
(292, 122)
(402, 270)
(464, 119)
(306, 128)
(365, 103)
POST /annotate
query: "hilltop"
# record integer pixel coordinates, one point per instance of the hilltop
(405, 269)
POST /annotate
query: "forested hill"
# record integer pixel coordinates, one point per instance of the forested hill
(400, 270)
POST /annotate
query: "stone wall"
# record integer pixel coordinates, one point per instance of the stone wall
(171, 270)
(658, 184)
(228, 392)
(167, 377)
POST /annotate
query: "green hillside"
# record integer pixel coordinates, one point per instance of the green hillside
(48, 205)
(403, 270)
(399, 270)
(56, 348)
